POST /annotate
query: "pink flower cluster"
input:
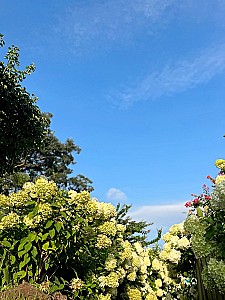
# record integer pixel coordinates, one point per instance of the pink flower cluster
(201, 199)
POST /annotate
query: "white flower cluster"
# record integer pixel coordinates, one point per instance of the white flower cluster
(129, 265)
(175, 241)
(218, 194)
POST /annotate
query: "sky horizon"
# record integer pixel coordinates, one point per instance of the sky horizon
(138, 85)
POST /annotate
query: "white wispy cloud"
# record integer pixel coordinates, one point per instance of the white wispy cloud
(109, 22)
(114, 194)
(180, 76)
(162, 216)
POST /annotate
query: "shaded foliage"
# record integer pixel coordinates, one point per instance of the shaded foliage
(51, 160)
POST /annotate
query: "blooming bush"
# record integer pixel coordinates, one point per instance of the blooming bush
(206, 226)
(68, 241)
(172, 267)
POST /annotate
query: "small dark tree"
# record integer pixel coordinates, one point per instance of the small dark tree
(136, 231)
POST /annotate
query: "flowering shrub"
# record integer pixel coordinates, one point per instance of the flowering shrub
(172, 267)
(68, 241)
(206, 226)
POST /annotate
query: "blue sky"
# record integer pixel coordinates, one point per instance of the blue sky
(139, 85)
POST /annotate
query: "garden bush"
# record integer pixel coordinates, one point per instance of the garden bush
(206, 226)
(68, 241)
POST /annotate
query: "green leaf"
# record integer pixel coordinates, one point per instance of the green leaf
(44, 237)
(49, 224)
(24, 262)
(6, 275)
(21, 274)
(34, 251)
(32, 236)
(23, 242)
(33, 212)
(6, 243)
(46, 266)
(54, 288)
(27, 247)
(21, 253)
(64, 214)
(45, 246)
(199, 212)
(58, 226)
(68, 235)
(52, 232)
(61, 286)
(53, 245)
(12, 259)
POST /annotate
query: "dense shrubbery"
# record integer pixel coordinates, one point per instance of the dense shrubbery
(63, 240)
(69, 241)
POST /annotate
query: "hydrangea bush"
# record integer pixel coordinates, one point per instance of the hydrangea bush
(206, 226)
(172, 267)
(63, 240)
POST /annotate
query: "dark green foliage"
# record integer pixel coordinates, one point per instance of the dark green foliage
(28, 148)
(135, 231)
(51, 160)
(22, 124)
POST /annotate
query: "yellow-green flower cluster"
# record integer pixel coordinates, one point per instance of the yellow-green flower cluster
(214, 275)
(111, 280)
(197, 228)
(42, 189)
(169, 283)
(104, 297)
(134, 294)
(103, 241)
(80, 200)
(9, 221)
(220, 163)
(219, 179)
(18, 199)
(110, 263)
(108, 228)
(131, 265)
(175, 240)
(44, 209)
(100, 210)
(76, 284)
(218, 196)
(106, 210)
(32, 222)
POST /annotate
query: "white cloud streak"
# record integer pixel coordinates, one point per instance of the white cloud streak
(91, 24)
(162, 216)
(114, 194)
(183, 75)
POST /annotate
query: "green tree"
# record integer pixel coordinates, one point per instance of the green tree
(51, 160)
(22, 124)
(28, 147)
(136, 231)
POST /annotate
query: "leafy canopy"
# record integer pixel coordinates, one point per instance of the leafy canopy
(28, 148)
(22, 125)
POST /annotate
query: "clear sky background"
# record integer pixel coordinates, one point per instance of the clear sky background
(140, 87)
